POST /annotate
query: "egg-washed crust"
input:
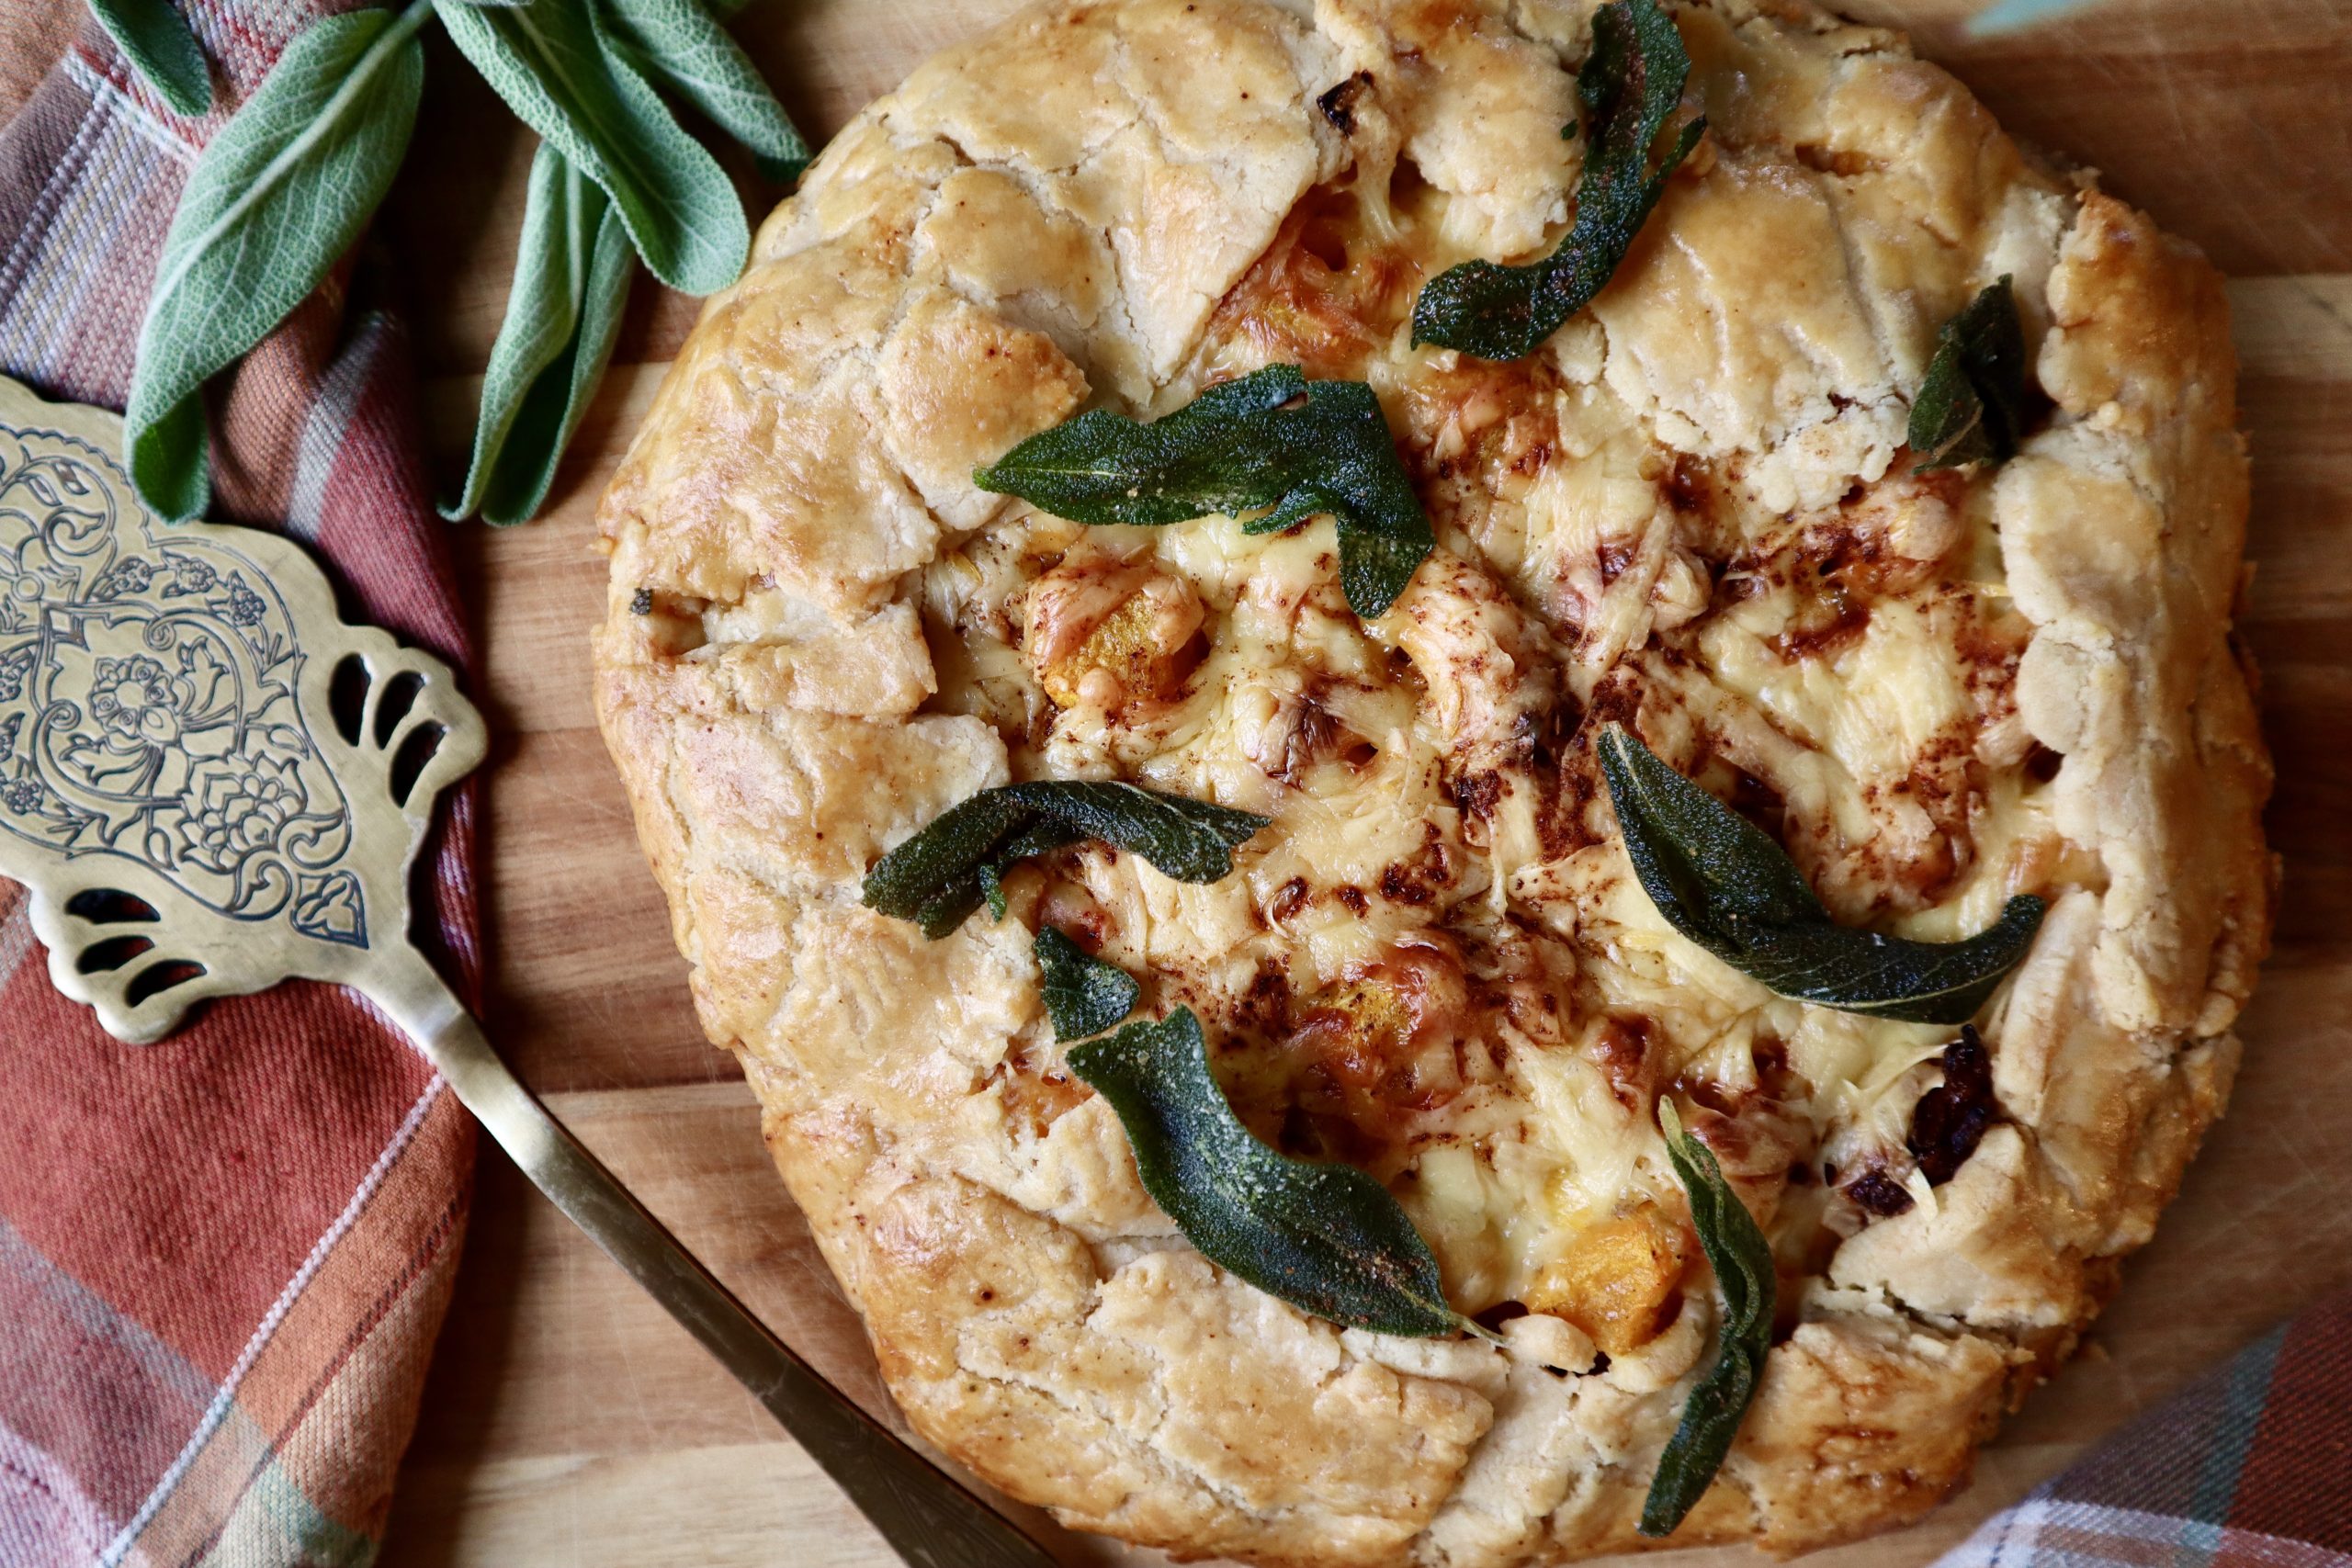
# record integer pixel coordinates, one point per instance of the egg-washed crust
(1693, 512)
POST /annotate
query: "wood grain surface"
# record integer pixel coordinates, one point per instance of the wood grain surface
(567, 1423)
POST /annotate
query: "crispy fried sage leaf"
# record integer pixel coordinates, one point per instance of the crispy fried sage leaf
(1327, 1239)
(277, 195)
(1037, 838)
(680, 44)
(155, 37)
(1722, 881)
(560, 71)
(946, 907)
(1271, 439)
(943, 872)
(1742, 1259)
(1083, 995)
(1630, 85)
(1190, 840)
(1970, 407)
(563, 311)
(934, 878)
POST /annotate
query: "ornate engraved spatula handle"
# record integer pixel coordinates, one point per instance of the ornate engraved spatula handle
(209, 783)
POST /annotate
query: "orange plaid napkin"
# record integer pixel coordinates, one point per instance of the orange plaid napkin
(223, 1257)
(2249, 1468)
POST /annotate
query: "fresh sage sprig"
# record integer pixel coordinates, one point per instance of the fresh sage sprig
(563, 311)
(1722, 881)
(158, 41)
(1631, 85)
(282, 191)
(1742, 1259)
(936, 878)
(1327, 1239)
(558, 70)
(286, 183)
(680, 44)
(1083, 995)
(1271, 439)
(1972, 407)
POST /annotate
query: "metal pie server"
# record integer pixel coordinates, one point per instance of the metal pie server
(209, 783)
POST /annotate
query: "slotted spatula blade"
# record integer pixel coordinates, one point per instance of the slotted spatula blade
(210, 782)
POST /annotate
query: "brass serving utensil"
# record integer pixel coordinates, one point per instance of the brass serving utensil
(210, 782)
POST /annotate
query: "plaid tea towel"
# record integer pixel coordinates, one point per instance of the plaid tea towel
(2250, 1468)
(223, 1257)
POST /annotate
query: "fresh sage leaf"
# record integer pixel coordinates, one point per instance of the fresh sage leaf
(1742, 1259)
(277, 196)
(1972, 407)
(1631, 85)
(1327, 1239)
(157, 40)
(563, 311)
(1722, 881)
(1083, 995)
(559, 72)
(1271, 439)
(678, 44)
(956, 863)
(1190, 840)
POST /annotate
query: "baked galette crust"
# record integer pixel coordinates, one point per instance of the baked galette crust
(1694, 512)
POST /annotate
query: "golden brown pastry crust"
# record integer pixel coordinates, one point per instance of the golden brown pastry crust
(1116, 201)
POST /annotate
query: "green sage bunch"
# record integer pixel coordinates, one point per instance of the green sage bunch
(288, 184)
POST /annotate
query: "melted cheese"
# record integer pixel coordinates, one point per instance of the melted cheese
(1793, 620)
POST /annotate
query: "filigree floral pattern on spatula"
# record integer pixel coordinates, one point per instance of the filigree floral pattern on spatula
(148, 703)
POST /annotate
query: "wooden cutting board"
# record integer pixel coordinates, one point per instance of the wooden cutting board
(567, 1422)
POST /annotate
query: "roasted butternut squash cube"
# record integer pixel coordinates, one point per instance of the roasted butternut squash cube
(1617, 1279)
(1104, 635)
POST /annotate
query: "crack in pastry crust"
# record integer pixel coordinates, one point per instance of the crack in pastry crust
(1692, 511)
